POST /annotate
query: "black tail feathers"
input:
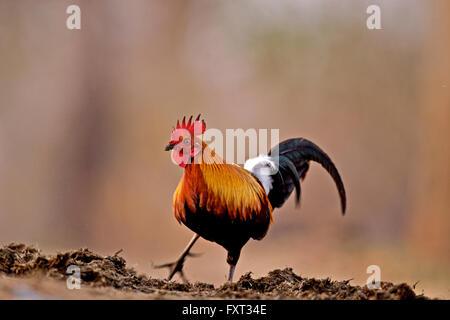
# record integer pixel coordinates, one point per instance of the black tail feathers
(294, 156)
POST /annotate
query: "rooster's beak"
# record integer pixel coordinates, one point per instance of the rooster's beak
(169, 147)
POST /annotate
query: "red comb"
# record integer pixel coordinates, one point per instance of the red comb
(191, 125)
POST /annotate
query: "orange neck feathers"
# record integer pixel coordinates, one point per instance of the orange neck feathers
(220, 188)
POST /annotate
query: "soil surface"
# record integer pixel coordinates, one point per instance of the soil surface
(25, 273)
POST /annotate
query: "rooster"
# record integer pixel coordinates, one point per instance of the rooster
(229, 205)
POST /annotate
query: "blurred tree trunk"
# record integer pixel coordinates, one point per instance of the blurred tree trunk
(88, 133)
(430, 222)
(103, 54)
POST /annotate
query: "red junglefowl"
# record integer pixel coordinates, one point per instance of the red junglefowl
(228, 204)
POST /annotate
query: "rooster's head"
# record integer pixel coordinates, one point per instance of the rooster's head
(183, 140)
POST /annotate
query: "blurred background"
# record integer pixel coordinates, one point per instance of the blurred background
(85, 115)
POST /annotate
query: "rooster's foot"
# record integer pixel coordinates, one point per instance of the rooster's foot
(177, 266)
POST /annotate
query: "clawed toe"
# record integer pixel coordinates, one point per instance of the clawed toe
(173, 267)
(177, 266)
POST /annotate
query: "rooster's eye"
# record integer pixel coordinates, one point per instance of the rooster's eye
(187, 141)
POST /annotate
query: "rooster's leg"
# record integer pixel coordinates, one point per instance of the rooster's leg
(232, 259)
(230, 275)
(177, 266)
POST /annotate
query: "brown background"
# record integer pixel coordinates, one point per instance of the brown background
(84, 117)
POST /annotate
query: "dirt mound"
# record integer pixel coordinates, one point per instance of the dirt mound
(111, 271)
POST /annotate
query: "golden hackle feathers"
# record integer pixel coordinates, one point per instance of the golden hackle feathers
(220, 188)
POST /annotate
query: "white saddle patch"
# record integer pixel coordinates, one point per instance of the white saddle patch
(262, 167)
